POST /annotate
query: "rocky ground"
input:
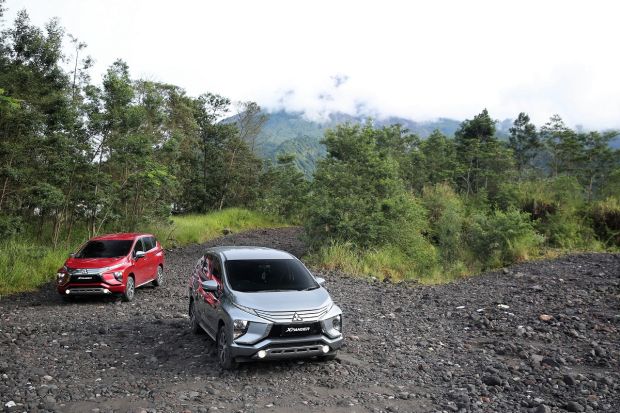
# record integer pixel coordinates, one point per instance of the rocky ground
(538, 337)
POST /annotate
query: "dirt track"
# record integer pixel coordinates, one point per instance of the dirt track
(475, 345)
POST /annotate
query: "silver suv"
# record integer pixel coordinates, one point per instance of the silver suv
(262, 304)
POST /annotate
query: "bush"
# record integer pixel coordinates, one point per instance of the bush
(287, 193)
(568, 231)
(10, 226)
(446, 216)
(605, 216)
(502, 238)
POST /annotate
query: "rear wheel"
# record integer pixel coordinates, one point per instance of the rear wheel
(130, 289)
(223, 350)
(160, 276)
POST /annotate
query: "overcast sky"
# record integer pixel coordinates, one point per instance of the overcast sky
(419, 60)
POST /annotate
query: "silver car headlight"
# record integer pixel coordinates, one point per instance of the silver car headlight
(333, 326)
(240, 327)
(337, 323)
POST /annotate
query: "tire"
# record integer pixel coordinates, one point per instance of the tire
(130, 290)
(223, 350)
(193, 319)
(158, 281)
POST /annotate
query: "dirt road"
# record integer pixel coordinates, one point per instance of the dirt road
(539, 337)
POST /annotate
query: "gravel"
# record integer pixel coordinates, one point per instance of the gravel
(479, 344)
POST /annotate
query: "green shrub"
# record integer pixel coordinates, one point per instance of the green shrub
(502, 238)
(605, 216)
(287, 191)
(446, 216)
(10, 226)
(568, 231)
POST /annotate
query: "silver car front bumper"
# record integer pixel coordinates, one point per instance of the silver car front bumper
(286, 348)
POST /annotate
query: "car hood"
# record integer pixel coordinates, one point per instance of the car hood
(94, 262)
(284, 300)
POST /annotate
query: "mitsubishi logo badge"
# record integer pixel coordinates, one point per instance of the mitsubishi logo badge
(296, 317)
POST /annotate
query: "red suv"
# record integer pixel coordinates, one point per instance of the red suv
(112, 264)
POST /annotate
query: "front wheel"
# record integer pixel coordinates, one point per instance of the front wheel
(130, 289)
(159, 279)
(223, 350)
(194, 325)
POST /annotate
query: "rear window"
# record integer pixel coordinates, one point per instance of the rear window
(268, 275)
(104, 249)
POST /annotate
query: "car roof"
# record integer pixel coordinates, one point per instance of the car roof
(250, 253)
(121, 236)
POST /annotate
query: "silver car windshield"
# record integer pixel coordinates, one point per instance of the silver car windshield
(269, 275)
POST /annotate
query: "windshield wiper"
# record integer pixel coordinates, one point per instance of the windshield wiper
(309, 288)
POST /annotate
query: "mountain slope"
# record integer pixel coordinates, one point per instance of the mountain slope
(290, 132)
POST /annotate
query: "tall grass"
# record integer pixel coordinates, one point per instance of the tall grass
(198, 228)
(383, 263)
(24, 265)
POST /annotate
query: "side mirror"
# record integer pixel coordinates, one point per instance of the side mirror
(210, 285)
(140, 254)
(72, 255)
(320, 280)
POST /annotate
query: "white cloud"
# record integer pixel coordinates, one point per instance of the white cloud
(414, 59)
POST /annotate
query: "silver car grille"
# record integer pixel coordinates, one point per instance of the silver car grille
(300, 316)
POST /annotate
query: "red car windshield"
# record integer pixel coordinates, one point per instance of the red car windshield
(104, 249)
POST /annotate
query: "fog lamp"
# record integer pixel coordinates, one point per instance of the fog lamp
(262, 354)
(325, 349)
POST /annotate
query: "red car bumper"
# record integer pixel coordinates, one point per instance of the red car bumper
(99, 288)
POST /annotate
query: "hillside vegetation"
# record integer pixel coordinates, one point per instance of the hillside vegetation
(79, 158)
(26, 263)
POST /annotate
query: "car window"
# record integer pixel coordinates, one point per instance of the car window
(214, 267)
(269, 275)
(104, 249)
(154, 242)
(148, 243)
(139, 246)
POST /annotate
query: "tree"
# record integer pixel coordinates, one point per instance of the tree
(524, 141)
(438, 160)
(482, 160)
(358, 195)
(287, 193)
(599, 160)
(563, 146)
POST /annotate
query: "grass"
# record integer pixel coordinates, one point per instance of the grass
(25, 264)
(199, 228)
(382, 263)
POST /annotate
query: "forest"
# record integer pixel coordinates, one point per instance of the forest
(80, 157)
